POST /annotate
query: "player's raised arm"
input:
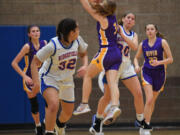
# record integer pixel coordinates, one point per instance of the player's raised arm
(87, 5)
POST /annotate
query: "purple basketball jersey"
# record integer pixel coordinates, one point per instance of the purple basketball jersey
(153, 75)
(109, 55)
(152, 53)
(109, 35)
(30, 55)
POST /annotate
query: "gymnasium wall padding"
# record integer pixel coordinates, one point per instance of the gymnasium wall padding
(14, 104)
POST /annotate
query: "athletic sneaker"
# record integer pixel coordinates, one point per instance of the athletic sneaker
(43, 126)
(38, 130)
(147, 126)
(112, 115)
(144, 132)
(81, 109)
(138, 123)
(96, 128)
(143, 124)
(59, 131)
(55, 132)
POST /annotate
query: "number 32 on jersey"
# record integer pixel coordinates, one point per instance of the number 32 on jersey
(67, 64)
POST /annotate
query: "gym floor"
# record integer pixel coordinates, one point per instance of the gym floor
(85, 132)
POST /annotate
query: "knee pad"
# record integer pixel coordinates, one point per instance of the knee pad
(34, 105)
(60, 124)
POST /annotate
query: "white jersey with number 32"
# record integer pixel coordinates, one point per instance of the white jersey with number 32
(59, 60)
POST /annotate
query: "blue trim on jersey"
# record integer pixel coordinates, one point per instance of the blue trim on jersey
(66, 47)
(49, 67)
(68, 101)
(51, 57)
(44, 86)
(78, 42)
(54, 47)
(129, 77)
(130, 34)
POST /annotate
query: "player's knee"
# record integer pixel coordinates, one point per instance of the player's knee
(34, 105)
(53, 106)
(149, 101)
(139, 94)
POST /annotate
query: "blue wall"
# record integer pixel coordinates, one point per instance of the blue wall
(14, 104)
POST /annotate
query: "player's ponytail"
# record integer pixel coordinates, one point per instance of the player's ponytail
(159, 34)
(65, 27)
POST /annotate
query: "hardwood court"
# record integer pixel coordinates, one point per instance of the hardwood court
(124, 132)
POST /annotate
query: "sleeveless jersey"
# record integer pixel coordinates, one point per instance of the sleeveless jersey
(152, 53)
(61, 63)
(125, 50)
(29, 56)
(108, 37)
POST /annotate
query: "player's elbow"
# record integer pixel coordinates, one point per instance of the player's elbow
(13, 64)
(171, 60)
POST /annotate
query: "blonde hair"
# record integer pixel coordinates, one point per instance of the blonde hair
(107, 8)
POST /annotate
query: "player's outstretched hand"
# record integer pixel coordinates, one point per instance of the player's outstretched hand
(81, 71)
(36, 88)
(137, 69)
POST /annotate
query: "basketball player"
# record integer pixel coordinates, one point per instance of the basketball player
(28, 51)
(127, 40)
(154, 48)
(57, 86)
(108, 58)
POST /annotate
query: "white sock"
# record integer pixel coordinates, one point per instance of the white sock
(38, 125)
(47, 131)
(99, 116)
(140, 117)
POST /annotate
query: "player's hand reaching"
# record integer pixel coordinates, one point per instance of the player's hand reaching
(81, 71)
(137, 69)
(28, 80)
(155, 63)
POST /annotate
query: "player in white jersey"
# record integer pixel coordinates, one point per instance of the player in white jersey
(57, 86)
(127, 40)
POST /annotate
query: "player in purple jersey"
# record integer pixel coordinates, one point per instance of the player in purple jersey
(28, 51)
(108, 58)
(127, 40)
(154, 48)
